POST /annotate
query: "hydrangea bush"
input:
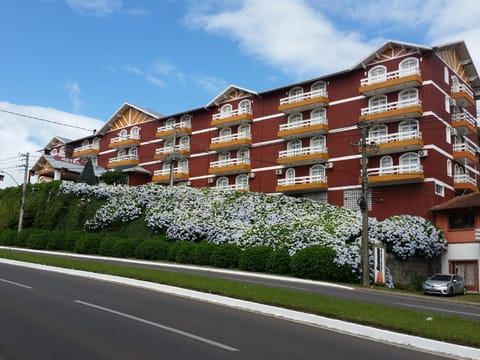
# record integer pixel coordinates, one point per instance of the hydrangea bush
(249, 219)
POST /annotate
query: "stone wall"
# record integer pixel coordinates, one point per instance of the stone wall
(411, 273)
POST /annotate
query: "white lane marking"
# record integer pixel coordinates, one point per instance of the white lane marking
(167, 328)
(16, 284)
(445, 310)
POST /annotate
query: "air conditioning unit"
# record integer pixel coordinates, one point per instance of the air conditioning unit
(423, 153)
(328, 165)
(251, 175)
(279, 172)
(210, 180)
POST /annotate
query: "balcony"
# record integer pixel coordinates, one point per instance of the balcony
(462, 95)
(230, 166)
(303, 156)
(123, 161)
(163, 176)
(302, 184)
(125, 141)
(86, 151)
(465, 153)
(232, 118)
(224, 143)
(304, 128)
(390, 82)
(394, 175)
(465, 123)
(180, 150)
(394, 143)
(182, 128)
(394, 111)
(233, 187)
(462, 182)
(304, 102)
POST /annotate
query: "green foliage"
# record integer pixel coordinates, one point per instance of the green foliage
(278, 262)
(63, 240)
(124, 247)
(8, 237)
(184, 252)
(226, 256)
(155, 248)
(114, 177)
(22, 237)
(202, 253)
(88, 243)
(314, 262)
(37, 239)
(9, 207)
(87, 175)
(254, 258)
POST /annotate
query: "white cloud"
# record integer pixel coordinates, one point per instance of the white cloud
(155, 81)
(19, 134)
(95, 7)
(73, 90)
(211, 84)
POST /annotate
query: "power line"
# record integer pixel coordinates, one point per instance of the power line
(46, 120)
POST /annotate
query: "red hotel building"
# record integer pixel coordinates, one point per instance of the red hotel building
(418, 104)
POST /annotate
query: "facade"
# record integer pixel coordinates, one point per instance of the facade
(417, 103)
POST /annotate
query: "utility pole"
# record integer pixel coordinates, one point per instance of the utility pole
(24, 192)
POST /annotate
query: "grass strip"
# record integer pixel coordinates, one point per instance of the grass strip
(444, 328)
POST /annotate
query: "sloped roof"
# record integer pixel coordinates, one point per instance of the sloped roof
(460, 202)
(224, 95)
(54, 141)
(60, 164)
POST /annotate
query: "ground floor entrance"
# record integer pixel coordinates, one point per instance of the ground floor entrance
(468, 269)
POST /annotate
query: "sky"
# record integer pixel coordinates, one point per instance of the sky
(67, 65)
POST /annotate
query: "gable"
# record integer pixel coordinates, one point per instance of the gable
(231, 93)
(452, 58)
(130, 117)
(392, 53)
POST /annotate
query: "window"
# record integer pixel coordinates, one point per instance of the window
(225, 132)
(244, 130)
(408, 129)
(317, 144)
(409, 162)
(224, 156)
(62, 151)
(296, 94)
(377, 74)
(170, 123)
(408, 97)
(96, 143)
(449, 168)
(351, 198)
(461, 221)
(222, 183)
(295, 118)
(53, 152)
(377, 104)
(446, 75)
(378, 134)
(226, 110)
(121, 153)
(318, 116)
(459, 170)
(447, 104)
(245, 107)
(123, 134)
(95, 161)
(290, 176)
(439, 190)
(183, 165)
(294, 146)
(319, 87)
(186, 121)
(135, 132)
(317, 173)
(241, 182)
(386, 165)
(185, 143)
(169, 144)
(408, 66)
(85, 143)
(133, 151)
(243, 156)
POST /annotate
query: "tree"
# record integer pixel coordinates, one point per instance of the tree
(88, 175)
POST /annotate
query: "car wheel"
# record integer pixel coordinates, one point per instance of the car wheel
(450, 291)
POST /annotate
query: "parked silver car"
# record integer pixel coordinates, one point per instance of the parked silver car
(445, 284)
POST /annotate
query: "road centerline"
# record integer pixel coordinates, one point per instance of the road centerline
(163, 327)
(16, 284)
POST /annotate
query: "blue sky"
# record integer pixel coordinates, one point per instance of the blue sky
(78, 61)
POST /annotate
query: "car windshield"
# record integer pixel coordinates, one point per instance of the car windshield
(440, 277)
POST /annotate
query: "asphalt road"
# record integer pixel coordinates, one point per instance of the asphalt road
(47, 315)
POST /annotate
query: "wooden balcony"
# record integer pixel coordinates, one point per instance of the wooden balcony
(163, 176)
(232, 118)
(124, 141)
(302, 184)
(394, 111)
(390, 82)
(224, 143)
(465, 123)
(394, 175)
(86, 151)
(304, 128)
(168, 131)
(230, 166)
(462, 95)
(464, 182)
(165, 152)
(394, 143)
(465, 153)
(123, 161)
(304, 102)
(303, 156)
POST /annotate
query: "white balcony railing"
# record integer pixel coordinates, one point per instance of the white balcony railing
(228, 114)
(303, 123)
(302, 151)
(166, 171)
(127, 157)
(170, 149)
(389, 138)
(302, 180)
(464, 178)
(238, 187)
(390, 106)
(464, 116)
(389, 76)
(303, 96)
(179, 125)
(125, 137)
(396, 170)
(233, 137)
(229, 162)
(86, 148)
(461, 88)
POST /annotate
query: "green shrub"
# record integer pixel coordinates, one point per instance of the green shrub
(226, 256)
(124, 247)
(63, 240)
(314, 262)
(22, 237)
(38, 239)
(8, 237)
(184, 252)
(106, 247)
(88, 243)
(278, 262)
(254, 258)
(152, 249)
(202, 253)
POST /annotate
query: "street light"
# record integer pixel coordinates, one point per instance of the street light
(4, 172)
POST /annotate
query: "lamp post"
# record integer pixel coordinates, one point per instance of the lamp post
(4, 172)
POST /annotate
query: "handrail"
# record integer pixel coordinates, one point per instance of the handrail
(302, 151)
(391, 106)
(400, 136)
(230, 162)
(302, 180)
(389, 76)
(303, 96)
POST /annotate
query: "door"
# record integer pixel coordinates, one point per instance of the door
(468, 270)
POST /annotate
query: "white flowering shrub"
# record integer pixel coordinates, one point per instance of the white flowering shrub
(250, 219)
